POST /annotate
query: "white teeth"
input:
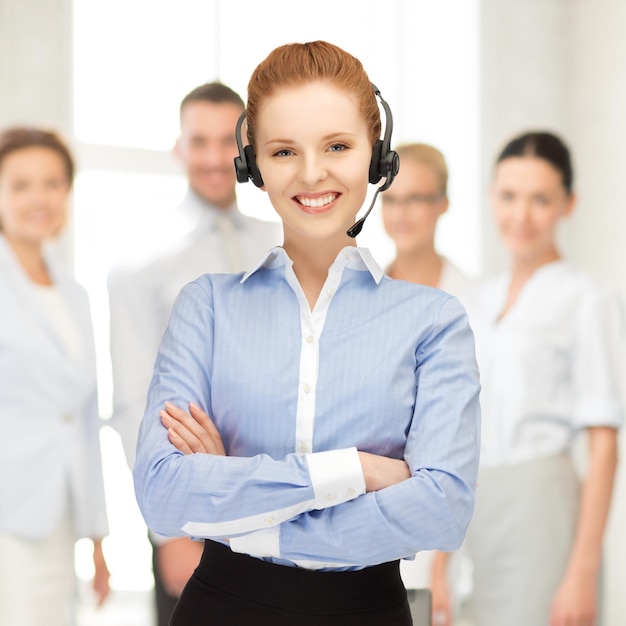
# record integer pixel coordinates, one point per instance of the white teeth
(317, 202)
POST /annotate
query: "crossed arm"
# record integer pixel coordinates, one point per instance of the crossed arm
(194, 432)
(324, 505)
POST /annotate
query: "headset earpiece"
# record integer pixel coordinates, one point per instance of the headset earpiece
(389, 166)
(245, 164)
(375, 174)
(253, 171)
(385, 162)
(241, 169)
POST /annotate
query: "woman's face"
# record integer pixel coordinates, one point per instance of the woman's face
(412, 206)
(529, 200)
(313, 152)
(34, 191)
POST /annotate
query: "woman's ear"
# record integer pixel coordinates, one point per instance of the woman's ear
(570, 204)
(444, 203)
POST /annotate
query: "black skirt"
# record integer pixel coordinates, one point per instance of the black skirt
(230, 589)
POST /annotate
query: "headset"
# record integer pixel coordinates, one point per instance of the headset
(385, 162)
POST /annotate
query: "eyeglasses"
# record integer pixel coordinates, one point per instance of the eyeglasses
(413, 200)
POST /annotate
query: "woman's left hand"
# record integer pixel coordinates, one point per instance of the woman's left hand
(576, 601)
(192, 432)
(101, 576)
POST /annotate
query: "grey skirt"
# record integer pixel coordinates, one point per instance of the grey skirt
(520, 539)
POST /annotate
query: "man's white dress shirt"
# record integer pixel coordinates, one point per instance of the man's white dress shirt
(141, 298)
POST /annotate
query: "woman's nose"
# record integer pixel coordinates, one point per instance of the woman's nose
(312, 169)
(522, 210)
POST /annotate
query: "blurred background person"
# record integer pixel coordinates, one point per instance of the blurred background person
(549, 344)
(411, 209)
(51, 485)
(216, 237)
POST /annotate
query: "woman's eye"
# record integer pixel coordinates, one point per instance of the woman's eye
(542, 200)
(19, 185)
(284, 152)
(337, 147)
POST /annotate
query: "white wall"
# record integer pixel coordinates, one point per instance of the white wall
(522, 85)
(596, 111)
(35, 62)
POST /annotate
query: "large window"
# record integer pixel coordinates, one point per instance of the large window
(133, 62)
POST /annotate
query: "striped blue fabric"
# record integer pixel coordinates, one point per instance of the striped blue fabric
(380, 366)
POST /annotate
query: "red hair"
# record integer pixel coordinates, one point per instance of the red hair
(296, 64)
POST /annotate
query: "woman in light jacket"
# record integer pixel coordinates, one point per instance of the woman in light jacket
(51, 488)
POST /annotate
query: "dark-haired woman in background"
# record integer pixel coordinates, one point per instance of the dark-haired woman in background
(51, 488)
(549, 345)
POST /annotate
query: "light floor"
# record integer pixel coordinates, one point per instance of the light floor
(122, 608)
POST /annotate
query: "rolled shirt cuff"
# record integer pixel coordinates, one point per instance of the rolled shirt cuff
(336, 476)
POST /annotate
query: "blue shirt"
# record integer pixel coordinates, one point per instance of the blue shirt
(380, 366)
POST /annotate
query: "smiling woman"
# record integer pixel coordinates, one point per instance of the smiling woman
(530, 198)
(298, 451)
(34, 205)
(315, 177)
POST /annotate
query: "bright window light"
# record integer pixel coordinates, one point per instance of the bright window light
(133, 62)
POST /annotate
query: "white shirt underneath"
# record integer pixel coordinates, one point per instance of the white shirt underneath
(551, 366)
(58, 312)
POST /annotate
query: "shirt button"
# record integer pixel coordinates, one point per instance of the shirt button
(303, 447)
(269, 520)
(351, 491)
(309, 339)
(330, 292)
(307, 388)
(331, 497)
(68, 417)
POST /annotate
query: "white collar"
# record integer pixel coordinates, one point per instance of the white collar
(360, 259)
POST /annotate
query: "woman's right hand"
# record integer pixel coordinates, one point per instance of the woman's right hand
(381, 471)
(192, 432)
(440, 589)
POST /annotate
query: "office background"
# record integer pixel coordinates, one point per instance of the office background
(462, 74)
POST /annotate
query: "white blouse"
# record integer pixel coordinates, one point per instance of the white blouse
(551, 366)
(57, 309)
